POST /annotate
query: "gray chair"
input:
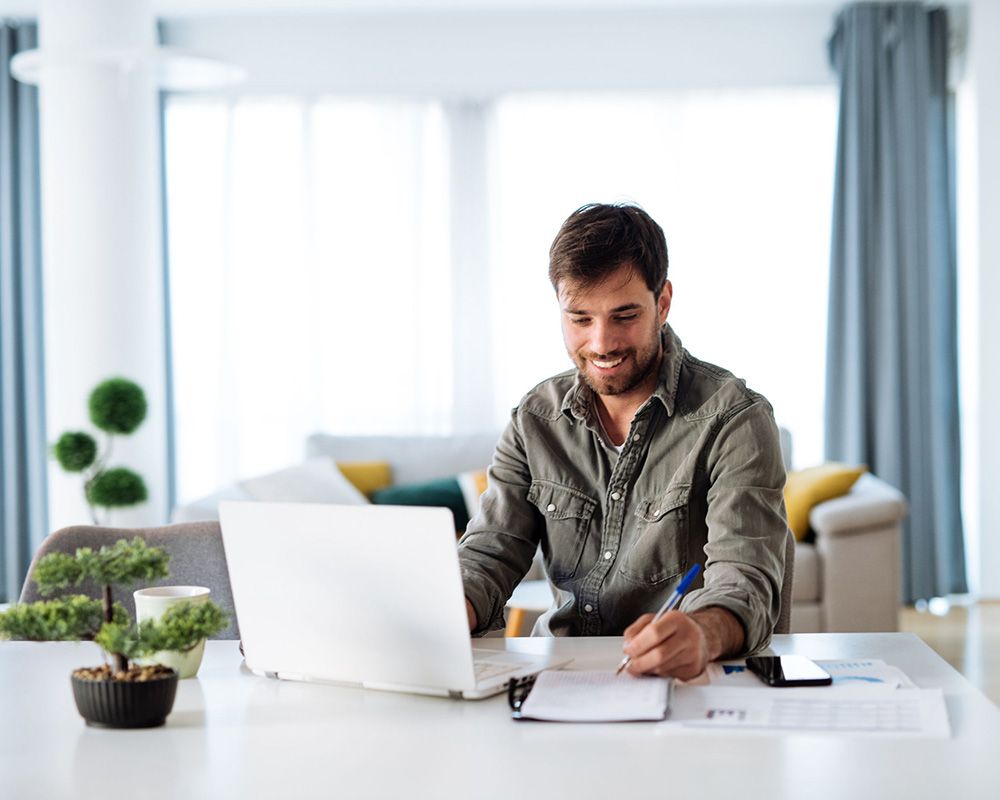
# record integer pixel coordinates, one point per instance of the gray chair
(196, 559)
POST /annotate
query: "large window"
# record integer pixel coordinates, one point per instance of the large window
(741, 182)
(308, 263)
(314, 284)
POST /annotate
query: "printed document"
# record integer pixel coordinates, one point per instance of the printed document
(847, 709)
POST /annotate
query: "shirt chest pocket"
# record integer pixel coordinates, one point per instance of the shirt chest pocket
(567, 515)
(660, 545)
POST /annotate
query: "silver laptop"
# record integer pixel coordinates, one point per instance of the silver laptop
(363, 595)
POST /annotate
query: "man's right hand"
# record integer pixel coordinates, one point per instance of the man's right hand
(472, 614)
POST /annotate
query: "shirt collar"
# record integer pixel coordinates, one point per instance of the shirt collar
(578, 401)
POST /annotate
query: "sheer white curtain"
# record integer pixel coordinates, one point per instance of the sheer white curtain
(741, 182)
(379, 266)
(309, 277)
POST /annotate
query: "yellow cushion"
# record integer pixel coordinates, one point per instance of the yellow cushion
(367, 476)
(806, 488)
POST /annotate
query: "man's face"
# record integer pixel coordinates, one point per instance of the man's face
(612, 330)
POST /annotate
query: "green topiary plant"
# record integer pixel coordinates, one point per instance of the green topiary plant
(117, 407)
(79, 617)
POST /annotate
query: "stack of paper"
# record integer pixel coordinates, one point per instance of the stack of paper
(868, 697)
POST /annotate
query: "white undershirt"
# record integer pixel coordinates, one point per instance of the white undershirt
(604, 431)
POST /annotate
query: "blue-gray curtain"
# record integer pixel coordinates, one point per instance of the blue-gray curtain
(892, 375)
(23, 522)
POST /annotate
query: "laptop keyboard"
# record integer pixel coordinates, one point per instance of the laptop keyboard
(490, 669)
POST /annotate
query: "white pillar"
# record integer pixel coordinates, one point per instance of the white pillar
(101, 236)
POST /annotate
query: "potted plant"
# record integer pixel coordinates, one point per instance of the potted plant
(119, 694)
(117, 407)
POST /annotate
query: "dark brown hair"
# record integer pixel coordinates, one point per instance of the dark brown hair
(598, 238)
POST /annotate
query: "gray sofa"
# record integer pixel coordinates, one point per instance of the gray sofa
(847, 579)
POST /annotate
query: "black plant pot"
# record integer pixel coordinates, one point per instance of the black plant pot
(125, 704)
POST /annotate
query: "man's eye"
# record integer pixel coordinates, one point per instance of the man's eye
(627, 318)
(579, 321)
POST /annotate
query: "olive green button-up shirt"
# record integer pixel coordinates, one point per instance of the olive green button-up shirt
(699, 479)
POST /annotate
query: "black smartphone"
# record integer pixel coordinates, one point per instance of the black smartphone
(788, 671)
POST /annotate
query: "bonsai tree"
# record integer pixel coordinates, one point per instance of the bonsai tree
(117, 407)
(78, 617)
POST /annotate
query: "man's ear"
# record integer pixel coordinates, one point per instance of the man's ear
(663, 302)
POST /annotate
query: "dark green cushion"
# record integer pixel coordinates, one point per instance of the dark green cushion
(443, 492)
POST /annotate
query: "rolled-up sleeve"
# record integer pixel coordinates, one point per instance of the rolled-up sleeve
(747, 526)
(500, 541)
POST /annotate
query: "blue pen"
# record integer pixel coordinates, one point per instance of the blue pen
(673, 600)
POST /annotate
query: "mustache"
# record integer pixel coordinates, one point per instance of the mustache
(607, 356)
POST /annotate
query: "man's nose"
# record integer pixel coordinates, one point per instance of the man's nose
(602, 341)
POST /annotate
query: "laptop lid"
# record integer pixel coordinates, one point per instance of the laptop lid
(358, 594)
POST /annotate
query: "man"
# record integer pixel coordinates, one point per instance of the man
(631, 468)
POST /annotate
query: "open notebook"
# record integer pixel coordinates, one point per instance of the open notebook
(595, 696)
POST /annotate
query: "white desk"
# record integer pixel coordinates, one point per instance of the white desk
(234, 735)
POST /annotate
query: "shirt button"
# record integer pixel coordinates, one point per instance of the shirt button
(607, 555)
(550, 507)
(616, 496)
(656, 513)
(636, 438)
(588, 608)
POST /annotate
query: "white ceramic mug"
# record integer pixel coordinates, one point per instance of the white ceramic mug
(150, 604)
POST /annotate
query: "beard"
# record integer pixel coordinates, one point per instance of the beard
(638, 365)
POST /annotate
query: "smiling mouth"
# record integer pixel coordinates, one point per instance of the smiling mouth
(610, 364)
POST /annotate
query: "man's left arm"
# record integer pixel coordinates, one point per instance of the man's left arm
(734, 613)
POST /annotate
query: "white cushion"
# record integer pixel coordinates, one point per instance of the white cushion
(315, 481)
(207, 507)
(871, 503)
